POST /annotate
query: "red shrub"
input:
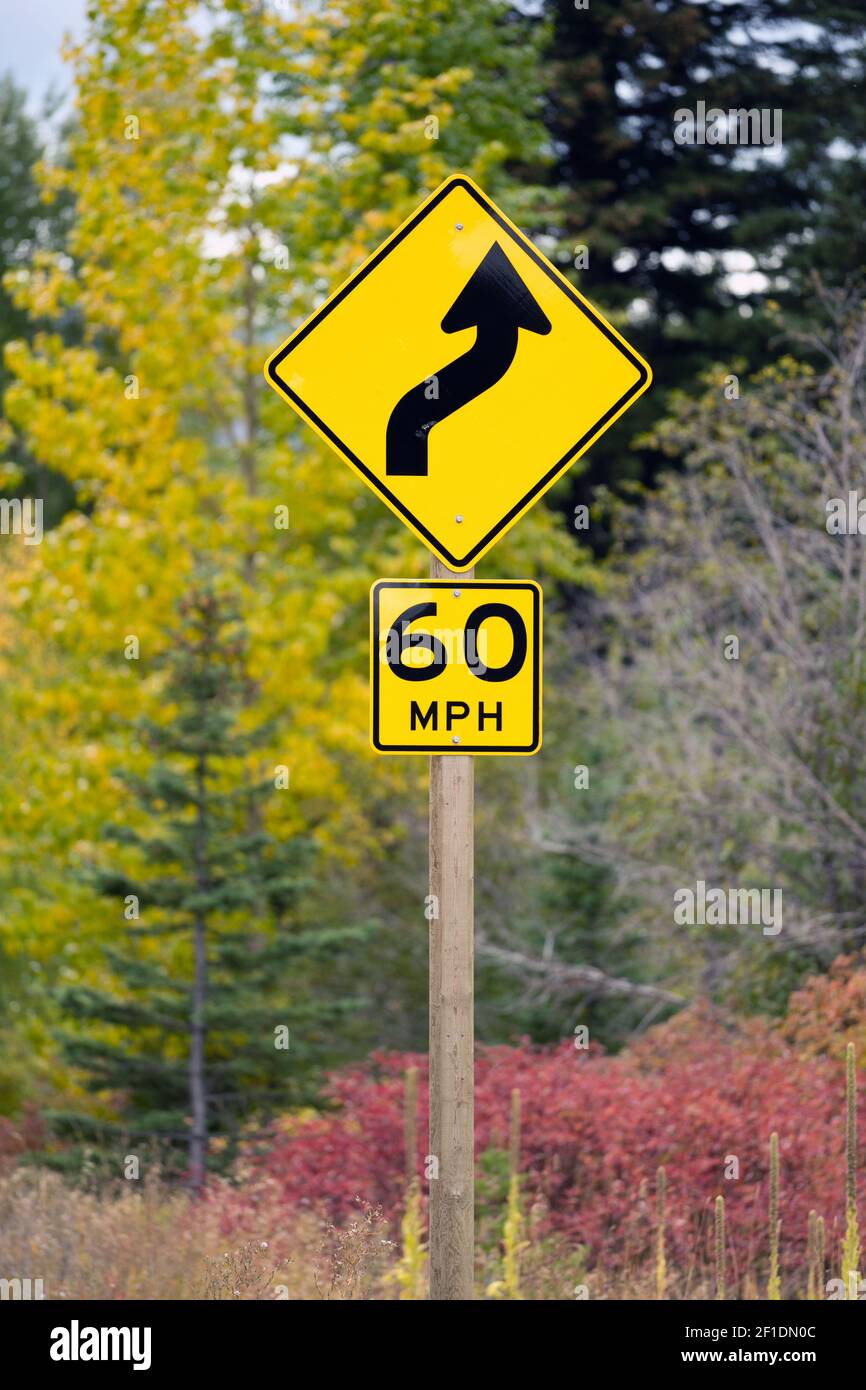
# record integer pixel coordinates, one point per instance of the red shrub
(595, 1129)
(829, 1011)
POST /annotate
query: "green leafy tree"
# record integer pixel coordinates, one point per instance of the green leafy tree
(230, 164)
(731, 678)
(217, 1016)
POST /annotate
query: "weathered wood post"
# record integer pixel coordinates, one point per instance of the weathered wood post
(452, 1016)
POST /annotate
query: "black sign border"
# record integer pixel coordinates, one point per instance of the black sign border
(451, 748)
(456, 562)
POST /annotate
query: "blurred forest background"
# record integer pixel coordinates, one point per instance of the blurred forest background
(188, 644)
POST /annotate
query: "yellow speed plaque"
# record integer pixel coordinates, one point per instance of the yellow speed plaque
(455, 667)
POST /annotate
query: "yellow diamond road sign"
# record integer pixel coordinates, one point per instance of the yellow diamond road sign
(455, 667)
(458, 372)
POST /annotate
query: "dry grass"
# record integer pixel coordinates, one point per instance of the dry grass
(150, 1241)
(153, 1241)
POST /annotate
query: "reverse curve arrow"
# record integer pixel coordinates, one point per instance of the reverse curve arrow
(496, 302)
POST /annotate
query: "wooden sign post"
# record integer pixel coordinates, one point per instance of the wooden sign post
(452, 1016)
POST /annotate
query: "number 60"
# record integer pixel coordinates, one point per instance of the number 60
(399, 641)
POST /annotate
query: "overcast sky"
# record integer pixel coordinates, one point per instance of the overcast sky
(31, 32)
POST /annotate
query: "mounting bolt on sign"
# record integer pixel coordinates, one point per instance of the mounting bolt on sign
(460, 375)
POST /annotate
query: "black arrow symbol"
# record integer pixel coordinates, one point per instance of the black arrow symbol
(496, 302)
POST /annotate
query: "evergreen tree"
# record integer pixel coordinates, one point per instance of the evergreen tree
(218, 1017)
(20, 211)
(28, 225)
(660, 220)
